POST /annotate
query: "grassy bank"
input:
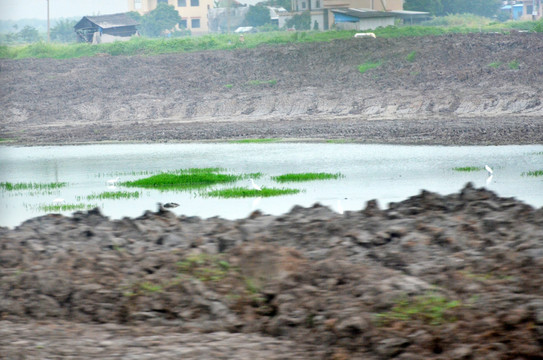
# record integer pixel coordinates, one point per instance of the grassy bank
(146, 46)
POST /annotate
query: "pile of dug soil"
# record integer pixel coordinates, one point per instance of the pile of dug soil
(454, 89)
(433, 277)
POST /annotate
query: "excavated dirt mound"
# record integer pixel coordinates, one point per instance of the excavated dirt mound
(432, 277)
(447, 94)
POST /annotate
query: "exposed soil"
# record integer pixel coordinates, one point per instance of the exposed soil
(448, 95)
(433, 277)
(310, 284)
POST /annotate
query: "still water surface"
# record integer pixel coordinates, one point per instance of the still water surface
(388, 173)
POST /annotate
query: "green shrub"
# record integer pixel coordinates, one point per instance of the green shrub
(514, 65)
(368, 66)
(412, 56)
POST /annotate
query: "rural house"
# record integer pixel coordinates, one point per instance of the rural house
(193, 12)
(321, 11)
(105, 28)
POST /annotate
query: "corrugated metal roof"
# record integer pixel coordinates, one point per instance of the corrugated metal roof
(362, 13)
(111, 21)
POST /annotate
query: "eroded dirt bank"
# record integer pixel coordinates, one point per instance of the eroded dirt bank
(449, 94)
(432, 277)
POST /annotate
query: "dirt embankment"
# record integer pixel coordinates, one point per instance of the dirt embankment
(432, 277)
(447, 94)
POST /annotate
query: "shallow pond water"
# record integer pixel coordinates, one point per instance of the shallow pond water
(388, 173)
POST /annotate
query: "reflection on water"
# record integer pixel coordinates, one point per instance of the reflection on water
(385, 172)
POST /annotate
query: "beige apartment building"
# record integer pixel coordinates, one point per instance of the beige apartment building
(193, 12)
(320, 10)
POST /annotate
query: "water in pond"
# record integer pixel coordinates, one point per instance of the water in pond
(384, 172)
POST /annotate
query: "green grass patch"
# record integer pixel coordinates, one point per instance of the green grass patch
(8, 186)
(239, 192)
(205, 267)
(229, 86)
(495, 64)
(66, 207)
(150, 287)
(429, 308)
(368, 66)
(184, 179)
(412, 56)
(454, 24)
(306, 177)
(254, 141)
(514, 65)
(533, 173)
(468, 168)
(261, 82)
(114, 195)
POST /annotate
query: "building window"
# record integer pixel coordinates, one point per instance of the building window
(181, 3)
(317, 4)
(195, 23)
(183, 24)
(303, 4)
(137, 4)
(194, 2)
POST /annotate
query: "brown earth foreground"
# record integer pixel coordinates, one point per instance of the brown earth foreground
(432, 277)
(449, 93)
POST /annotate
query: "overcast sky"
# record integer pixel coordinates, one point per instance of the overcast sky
(37, 9)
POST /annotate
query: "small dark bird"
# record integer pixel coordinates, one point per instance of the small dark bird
(171, 205)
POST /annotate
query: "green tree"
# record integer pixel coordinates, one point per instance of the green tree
(486, 8)
(29, 34)
(63, 31)
(300, 21)
(258, 15)
(163, 18)
(434, 7)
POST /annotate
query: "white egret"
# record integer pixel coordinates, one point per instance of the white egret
(339, 207)
(489, 179)
(490, 172)
(113, 182)
(255, 186)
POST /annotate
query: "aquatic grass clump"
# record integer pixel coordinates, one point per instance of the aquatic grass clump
(533, 173)
(66, 207)
(256, 141)
(468, 168)
(8, 186)
(183, 179)
(239, 192)
(115, 195)
(306, 177)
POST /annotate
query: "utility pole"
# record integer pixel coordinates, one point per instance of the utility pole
(48, 24)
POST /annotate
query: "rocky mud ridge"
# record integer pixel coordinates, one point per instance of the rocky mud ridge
(432, 277)
(456, 89)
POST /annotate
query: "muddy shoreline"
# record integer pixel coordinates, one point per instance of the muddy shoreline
(450, 94)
